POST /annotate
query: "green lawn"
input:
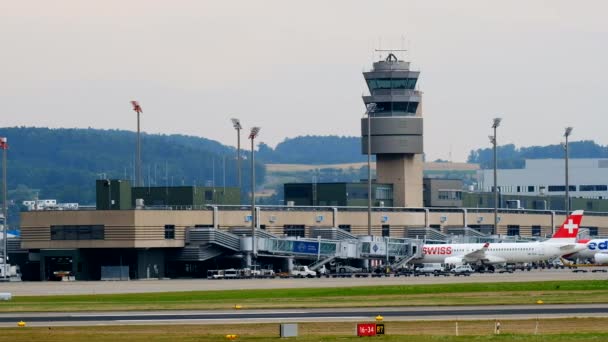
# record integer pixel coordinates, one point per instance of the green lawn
(587, 291)
(592, 329)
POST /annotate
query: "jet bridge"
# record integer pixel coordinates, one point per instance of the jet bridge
(205, 243)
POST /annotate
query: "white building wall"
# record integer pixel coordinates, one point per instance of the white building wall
(539, 173)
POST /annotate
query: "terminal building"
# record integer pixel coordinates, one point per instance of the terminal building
(157, 232)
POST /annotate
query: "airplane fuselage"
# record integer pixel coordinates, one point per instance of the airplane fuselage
(497, 252)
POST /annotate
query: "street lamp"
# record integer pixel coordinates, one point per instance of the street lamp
(252, 135)
(369, 110)
(495, 125)
(138, 110)
(236, 123)
(567, 133)
(4, 148)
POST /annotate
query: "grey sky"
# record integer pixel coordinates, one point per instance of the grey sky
(294, 67)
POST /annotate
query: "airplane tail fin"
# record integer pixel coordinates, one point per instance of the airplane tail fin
(568, 231)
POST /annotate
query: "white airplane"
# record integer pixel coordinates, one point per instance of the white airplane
(563, 242)
(596, 249)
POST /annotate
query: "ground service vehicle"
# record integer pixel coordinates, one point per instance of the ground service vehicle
(430, 268)
(462, 270)
(303, 272)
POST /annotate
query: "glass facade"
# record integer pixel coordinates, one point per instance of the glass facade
(396, 108)
(392, 83)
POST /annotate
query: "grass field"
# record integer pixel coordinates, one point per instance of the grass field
(562, 292)
(592, 329)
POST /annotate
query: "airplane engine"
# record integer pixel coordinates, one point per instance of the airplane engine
(491, 259)
(454, 260)
(600, 258)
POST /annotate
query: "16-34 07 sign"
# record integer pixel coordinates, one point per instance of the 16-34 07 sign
(370, 329)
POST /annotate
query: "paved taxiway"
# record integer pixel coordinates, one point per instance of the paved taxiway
(308, 315)
(177, 285)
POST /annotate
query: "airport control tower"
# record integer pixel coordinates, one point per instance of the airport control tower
(396, 128)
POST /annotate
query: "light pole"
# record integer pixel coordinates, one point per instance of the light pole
(252, 135)
(4, 147)
(495, 125)
(108, 182)
(370, 109)
(138, 110)
(567, 133)
(236, 123)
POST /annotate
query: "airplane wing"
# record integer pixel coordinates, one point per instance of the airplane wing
(567, 247)
(477, 255)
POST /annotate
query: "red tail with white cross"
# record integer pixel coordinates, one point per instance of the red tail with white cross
(569, 229)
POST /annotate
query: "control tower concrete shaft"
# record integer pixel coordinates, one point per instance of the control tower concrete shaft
(396, 129)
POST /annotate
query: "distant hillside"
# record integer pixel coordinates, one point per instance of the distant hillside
(64, 163)
(511, 157)
(312, 149)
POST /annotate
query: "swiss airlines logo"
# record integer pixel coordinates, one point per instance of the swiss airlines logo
(437, 250)
(571, 226)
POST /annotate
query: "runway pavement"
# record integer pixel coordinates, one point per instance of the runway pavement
(179, 285)
(312, 315)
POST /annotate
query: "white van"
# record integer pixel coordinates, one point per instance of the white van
(430, 268)
(462, 269)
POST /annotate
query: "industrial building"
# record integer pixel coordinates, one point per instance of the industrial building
(545, 177)
(437, 193)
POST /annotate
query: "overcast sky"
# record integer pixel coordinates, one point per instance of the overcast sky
(294, 67)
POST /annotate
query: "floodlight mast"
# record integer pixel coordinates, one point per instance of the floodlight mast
(252, 135)
(370, 109)
(4, 148)
(567, 133)
(495, 124)
(236, 123)
(138, 110)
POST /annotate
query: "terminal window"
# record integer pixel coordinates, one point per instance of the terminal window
(384, 193)
(392, 83)
(593, 188)
(344, 227)
(512, 230)
(560, 188)
(454, 195)
(294, 230)
(536, 230)
(77, 232)
(169, 231)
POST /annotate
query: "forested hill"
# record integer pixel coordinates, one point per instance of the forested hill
(511, 157)
(312, 149)
(64, 163)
